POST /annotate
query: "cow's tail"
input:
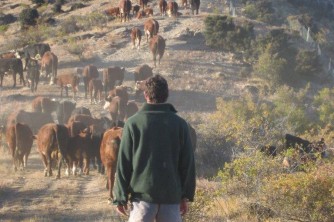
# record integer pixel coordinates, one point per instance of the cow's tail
(61, 133)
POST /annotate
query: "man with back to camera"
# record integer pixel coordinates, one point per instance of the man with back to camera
(155, 168)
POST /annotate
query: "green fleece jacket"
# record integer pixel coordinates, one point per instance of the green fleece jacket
(156, 160)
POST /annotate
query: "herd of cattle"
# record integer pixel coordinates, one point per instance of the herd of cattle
(75, 137)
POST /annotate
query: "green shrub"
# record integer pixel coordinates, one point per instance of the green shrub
(306, 196)
(70, 25)
(76, 47)
(3, 28)
(307, 63)
(221, 32)
(38, 2)
(260, 10)
(324, 101)
(28, 17)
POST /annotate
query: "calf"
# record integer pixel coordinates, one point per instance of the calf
(95, 88)
(162, 7)
(35, 120)
(19, 138)
(68, 79)
(13, 65)
(49, 64)
(112, 76)
(44, 105)
(64, 111)
(135, 36)
(89, 72)
(109, 151)
(52, 138)
(172, 8)
(113, 11)
(157, 46)
(151, 27)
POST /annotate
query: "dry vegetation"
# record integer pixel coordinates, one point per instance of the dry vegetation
(197, 76)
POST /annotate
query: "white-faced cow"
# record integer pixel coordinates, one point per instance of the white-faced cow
(11, 65)
(33, 51)
(151, 27)
(172, 8)
(157, 46)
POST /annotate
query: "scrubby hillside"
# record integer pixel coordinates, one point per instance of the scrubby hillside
(242, 81)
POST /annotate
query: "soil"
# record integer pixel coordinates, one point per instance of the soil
(196, 74)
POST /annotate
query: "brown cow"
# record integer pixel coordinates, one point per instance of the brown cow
(68, 79)
(49, 64)
(151, 27)
(125, 9)
(112, 76)
(44, 105)
(109, 151)
(157, 46)
(162, 7)
(136, 35)
(8, 55)
(142, 72)
(113, 11)
(77, 153)
(19, 138)
(148, 12)
(172, 8)
(34, 120)
(117, 108)
(52, 138)
(89, 72)
(96, 88)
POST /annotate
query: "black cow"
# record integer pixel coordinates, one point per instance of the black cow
(195, 5)
(11, 65)
(305, 146)
(33, 74)
(64, 111)
(81, 110)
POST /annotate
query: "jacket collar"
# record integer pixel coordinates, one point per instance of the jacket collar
(158, 107)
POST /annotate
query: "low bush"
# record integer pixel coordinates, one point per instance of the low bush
(28, 17)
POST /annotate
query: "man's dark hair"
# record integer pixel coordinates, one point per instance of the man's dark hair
(156, 89)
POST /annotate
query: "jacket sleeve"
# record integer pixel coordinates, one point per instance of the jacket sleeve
(187, 166)
(124, 168)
